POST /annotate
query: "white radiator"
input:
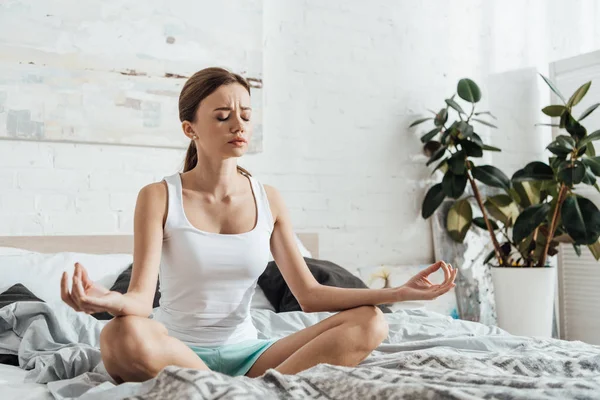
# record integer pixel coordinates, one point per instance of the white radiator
(579, 277)
(579, 295)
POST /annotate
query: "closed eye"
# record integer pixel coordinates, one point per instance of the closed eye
(226, 118)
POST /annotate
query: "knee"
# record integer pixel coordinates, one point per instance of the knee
(129, 338)
(373, 326)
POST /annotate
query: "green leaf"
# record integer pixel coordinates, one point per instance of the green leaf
(529, 192)
(593, 163)
(581, 219)
(554, 89)
(566, 141)
(491, 176)
(471, 148)
(502, 208)
(560, 150)
(557, 162)
(576, 130)
(528, 220)
(589, 178)
(440, 165)
(430, 135)
(484, 113)
(589, 110)
(419, 121)
(455, 105)
(489, 256)
(589, 138)
(590, 151)
(434, 197)
(465, 130)
(480, 222)
(441, 117)
(475, 138)
(453, 184)
(572, 175)
(459, 220)
(579, 94)
(534, 171)
(437, 155)
(457, 162)
(484, 122)
(554, 111)
(577, 249)
(490, 148)
(468, 90)
(552, 125)
(595, 249)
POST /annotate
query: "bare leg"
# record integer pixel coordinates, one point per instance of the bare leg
(135, 349)
(346, 338)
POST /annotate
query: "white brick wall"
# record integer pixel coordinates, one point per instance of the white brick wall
(342, 80)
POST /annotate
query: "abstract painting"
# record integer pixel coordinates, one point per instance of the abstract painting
(110, 72)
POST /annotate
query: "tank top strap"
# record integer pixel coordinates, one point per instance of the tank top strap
(175, 215)
(264, 209)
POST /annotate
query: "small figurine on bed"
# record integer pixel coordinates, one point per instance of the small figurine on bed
(209, 231)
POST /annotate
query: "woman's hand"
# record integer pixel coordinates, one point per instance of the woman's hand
(419, 287)
(88, 296)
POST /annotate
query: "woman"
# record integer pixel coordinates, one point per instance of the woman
(209, 231)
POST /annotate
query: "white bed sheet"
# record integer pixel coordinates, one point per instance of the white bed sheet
(12, 386)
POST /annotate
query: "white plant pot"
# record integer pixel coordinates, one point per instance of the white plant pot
(525, 300)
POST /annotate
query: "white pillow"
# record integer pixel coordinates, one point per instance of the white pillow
(303, 250)
(41, 272)
(260, 301)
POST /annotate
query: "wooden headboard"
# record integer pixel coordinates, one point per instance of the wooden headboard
(104, 244)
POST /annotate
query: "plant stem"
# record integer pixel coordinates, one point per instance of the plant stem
(485, 218)
(535, 235)
(553, 224)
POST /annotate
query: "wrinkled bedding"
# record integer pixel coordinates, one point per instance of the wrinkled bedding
(427, 355)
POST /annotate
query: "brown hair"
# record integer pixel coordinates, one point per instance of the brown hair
(197, 88)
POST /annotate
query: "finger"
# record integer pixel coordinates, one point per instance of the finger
(64, 291)
(431, 269)
(83, 298)
(75, 292)
(428, 281)
(454, 276)
(84, 276)
(446, 271)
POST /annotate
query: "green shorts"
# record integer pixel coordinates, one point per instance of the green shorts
(233, 359)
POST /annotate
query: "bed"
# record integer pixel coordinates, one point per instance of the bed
(427, 355)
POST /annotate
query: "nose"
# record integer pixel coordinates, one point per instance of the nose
(237, 125)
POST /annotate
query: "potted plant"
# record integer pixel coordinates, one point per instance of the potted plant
(526, 213)
(454, 146)
(552, 212)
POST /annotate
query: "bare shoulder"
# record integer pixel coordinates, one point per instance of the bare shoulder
(275, 200)
(152, 199)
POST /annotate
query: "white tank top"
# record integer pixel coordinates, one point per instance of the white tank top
(207, 279)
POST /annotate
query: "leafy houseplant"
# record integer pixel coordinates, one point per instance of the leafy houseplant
(457, 146)
(558, 213)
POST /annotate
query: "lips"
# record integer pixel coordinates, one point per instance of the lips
(238, 141)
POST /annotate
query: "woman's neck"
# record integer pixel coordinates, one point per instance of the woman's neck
(218, 178)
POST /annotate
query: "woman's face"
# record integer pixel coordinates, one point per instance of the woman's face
(223, 122)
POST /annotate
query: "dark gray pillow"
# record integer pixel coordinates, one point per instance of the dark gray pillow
(121, 285)
(325, 272)
(17, 292)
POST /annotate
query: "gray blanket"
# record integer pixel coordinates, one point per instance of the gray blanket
(427, 355)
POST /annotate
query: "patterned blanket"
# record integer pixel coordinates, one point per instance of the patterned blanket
(535, 369)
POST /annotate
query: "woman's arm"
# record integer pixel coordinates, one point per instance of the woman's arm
(314, 297)
(150, 213)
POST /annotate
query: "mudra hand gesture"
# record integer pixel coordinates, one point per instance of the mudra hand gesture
(419, 287)
(87, 295)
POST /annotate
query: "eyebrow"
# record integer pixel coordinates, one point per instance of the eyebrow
(229, 109)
